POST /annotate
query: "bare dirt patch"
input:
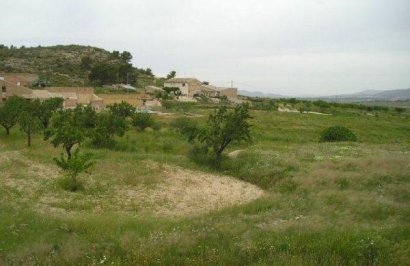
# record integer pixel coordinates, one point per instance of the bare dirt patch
(177, 192)
(187, 192)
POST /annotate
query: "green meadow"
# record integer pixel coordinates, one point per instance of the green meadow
(282, 199)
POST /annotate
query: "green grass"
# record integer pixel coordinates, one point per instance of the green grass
(324, 203)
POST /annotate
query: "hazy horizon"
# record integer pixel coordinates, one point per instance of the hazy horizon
(285, 47)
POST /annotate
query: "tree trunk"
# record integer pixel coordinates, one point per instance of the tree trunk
(29, 136)
(68, 151)
(218, 160)
(7, 131)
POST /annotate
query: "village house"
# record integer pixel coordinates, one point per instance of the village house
(71, 95)
(191, 87)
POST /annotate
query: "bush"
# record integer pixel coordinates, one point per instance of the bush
(337, 133)
(77, 164)
(142, 120)
(186, 127)
(70, 184)
(400, 109)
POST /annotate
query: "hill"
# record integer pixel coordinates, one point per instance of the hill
(366, 95)
(70, 65)
(369, 95)
(259, 94)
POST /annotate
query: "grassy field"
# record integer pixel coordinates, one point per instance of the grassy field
(284, 199)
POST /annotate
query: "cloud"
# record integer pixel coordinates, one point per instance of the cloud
(293, 46)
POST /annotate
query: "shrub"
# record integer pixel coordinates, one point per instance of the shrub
(108, 126)
(337, 133)
(186, 127)
(142, 120)
(400, 109)
(74, 166)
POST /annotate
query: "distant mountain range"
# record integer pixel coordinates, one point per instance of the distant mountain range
(260, 94)
(366, 95)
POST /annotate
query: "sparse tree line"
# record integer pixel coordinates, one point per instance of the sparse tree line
(69, 128)
(318, 105)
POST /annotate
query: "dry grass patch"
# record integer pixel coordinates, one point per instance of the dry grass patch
(144, 188)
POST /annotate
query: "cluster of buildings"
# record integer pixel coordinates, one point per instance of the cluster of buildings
(192, 87)
(15, 84)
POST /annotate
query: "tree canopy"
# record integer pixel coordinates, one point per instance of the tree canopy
(9, 112)
(122, 109)
(29, 118)
(171, 74)
(224, 127)
(68, 129)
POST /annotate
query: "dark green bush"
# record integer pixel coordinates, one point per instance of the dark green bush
(142, 120)
(337, 133)
(70, 184)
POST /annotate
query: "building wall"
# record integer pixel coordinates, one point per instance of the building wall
(132, 99)
(229, 92)
(195, 87)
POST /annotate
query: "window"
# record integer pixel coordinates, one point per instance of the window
(3, 88)
(183, 84)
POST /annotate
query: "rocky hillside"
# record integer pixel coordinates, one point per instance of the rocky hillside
(67, 65)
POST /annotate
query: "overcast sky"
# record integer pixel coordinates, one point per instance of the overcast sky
(291, 47)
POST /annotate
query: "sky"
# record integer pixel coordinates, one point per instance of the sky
(288, 47)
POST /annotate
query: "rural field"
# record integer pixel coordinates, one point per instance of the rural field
(284, 198)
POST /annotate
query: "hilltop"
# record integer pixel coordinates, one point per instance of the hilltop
(71, 65)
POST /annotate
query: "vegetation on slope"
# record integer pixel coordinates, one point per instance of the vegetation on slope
(74, 65)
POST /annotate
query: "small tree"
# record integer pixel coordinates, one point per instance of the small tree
(186, 127)
(142, 120)
(29, 120)
(104, 73)
(48, 107)
(122, 109)
(9, 112)
(126, 56)
(86, 63)
(171, 74)
(86, 117)
(74, 166)
(108, 126)
(224, 127)
(67, 130)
